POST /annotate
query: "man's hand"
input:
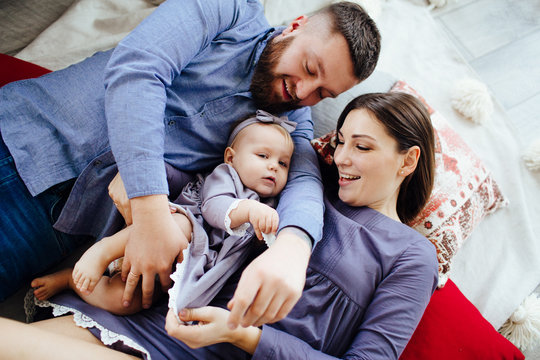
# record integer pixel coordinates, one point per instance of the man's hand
(117, 192)
(272, 284)
(155, 240)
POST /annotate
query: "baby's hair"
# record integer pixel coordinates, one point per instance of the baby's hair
(280, 128)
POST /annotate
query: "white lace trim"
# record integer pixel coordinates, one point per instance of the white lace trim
(239, 230)
(269, 238)
(177, 277)
(107, 336)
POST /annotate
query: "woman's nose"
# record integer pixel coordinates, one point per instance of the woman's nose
(341, 156)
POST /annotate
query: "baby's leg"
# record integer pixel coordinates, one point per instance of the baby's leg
(49, 285)
(185, 225)
(93, 263)
(107, 293)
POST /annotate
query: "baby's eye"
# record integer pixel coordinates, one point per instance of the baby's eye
(264, 156)
(283, 163)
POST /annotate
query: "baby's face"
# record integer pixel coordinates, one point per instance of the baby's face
(262, 156)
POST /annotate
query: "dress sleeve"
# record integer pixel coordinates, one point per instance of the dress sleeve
(301, 201)
(140, 69)
(390, 318)
(220, 194)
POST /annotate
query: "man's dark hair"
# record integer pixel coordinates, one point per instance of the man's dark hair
(360, 32)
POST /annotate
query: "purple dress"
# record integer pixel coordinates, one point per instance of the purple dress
(215, 251)
(368, 282)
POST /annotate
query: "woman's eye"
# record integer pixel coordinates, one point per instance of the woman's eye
(363, 148)
(339, 142)
(309, 70)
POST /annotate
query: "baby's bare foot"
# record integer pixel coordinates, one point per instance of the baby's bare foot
(49, 285)
(90, 268)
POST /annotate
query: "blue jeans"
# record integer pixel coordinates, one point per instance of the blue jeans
(28, 242)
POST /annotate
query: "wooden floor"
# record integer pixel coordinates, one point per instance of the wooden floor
(500, 39)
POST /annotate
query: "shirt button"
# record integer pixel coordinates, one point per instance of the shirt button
(97, 162)
(172, 122)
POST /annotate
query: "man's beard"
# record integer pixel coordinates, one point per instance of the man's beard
(264, 77)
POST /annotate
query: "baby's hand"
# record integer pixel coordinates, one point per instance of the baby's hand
(263, 218)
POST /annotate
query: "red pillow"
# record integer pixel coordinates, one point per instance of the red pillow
(13, 69)
(453, 329)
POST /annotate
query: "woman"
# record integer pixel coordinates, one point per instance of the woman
(369, 279)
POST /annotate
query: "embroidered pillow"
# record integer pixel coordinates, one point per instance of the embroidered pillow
(464, 190)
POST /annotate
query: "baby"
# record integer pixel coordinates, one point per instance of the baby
(238, 195)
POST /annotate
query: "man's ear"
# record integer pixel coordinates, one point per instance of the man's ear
(229, 155)
(294, 25)
(410, 160)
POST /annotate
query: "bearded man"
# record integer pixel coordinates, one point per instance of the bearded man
(166, 98)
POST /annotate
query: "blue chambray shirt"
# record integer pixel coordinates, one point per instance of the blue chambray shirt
(171, 90)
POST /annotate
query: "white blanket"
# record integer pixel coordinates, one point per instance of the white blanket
(500, 264)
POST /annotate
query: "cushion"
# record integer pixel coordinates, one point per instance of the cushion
(463, 193)
(452, 328)
(13, 69)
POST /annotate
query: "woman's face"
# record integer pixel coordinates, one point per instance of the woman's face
(368, 163)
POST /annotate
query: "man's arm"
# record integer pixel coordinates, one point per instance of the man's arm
(141, 68)
(272, 284)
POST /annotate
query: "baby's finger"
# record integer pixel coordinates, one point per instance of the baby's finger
(258, 231)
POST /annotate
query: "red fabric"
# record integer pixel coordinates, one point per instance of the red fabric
(13, 69)
(453, 329)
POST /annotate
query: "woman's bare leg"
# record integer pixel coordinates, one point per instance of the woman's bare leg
(57, 340)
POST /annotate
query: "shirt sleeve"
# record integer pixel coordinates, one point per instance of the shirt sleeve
(140, 69)
(390, 318)
(301, 201)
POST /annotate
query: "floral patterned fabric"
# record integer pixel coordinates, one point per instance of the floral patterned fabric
(464, 190)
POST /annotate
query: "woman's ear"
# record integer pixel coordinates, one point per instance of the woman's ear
(229, 155)
(294, 25)
(410, 160)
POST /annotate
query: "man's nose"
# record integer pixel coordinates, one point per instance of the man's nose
(305, 88)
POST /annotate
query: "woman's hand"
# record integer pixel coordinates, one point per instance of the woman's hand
(211, 329)
(117, 192)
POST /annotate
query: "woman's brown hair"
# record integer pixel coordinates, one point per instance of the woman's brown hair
(406, 120)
